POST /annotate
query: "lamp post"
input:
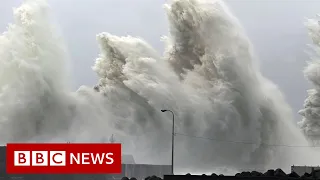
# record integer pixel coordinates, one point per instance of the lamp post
(172, 147)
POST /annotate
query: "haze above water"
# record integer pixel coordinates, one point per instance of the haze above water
(208, 75)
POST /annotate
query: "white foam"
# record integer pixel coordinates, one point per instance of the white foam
(311, 114)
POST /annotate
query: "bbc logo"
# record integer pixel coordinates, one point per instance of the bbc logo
(39, 158)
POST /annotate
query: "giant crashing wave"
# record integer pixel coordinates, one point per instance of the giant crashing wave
(310, 123)
(207, 77)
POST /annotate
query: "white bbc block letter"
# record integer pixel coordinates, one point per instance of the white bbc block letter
(21, 158)
(39, 158)
(57, 158)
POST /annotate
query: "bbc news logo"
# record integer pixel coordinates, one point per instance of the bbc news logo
(63, 158)
(58, 158)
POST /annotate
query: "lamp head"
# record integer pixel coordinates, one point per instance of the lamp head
(163, 110)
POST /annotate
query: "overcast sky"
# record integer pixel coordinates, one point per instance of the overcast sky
(274, 26)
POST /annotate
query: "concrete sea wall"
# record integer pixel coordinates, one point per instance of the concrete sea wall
(300, 170)
(140, 171)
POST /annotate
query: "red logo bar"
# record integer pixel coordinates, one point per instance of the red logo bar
(68, 158)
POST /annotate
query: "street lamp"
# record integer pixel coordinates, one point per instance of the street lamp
(172, 147)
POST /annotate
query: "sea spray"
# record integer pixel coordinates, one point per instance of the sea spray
(311, 114)
(32, 76)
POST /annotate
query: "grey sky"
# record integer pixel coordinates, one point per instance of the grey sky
(274, 26)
